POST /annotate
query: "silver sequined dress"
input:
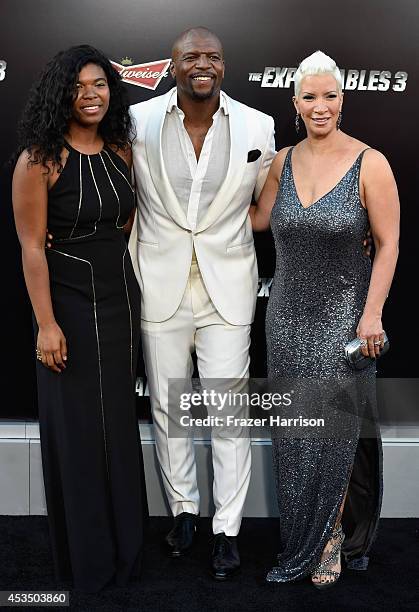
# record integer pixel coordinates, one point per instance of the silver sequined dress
(317, 298)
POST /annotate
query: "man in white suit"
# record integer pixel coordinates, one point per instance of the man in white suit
(199, 159)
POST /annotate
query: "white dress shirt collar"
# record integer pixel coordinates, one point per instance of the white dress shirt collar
(173, 103)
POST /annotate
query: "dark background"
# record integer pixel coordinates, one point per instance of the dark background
(364, 35)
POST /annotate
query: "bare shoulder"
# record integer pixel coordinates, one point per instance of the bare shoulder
(376, 179)
(23, 162)
(374, 158)
(278, 162)
(29, 170)
(375, 165)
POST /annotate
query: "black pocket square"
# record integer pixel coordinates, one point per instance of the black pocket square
(253, 155)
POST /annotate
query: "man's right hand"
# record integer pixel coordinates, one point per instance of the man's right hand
(368, 243)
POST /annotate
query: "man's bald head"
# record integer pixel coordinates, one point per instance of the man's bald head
(199, 31)
(197, 65)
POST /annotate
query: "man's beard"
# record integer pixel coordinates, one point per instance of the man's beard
(203, 96)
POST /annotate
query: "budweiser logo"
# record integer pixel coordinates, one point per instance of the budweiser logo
(146, 75)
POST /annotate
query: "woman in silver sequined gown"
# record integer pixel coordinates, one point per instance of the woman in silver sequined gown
(318, 303)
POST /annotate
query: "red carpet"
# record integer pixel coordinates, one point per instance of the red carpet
(183, 585)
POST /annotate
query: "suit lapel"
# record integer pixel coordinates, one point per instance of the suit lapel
(153, 146)
(236, 166)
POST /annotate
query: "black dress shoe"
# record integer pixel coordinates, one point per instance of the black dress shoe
(225, 558)
(180, 538)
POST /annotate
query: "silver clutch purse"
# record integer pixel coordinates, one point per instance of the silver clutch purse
(356, 359)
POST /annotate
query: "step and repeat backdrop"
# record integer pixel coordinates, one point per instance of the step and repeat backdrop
(375, 44)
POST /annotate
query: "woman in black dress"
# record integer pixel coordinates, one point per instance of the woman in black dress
(73, 176)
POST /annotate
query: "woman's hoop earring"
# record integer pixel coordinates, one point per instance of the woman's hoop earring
(339, 121)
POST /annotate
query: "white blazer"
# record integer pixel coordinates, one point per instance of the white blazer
(161, 240)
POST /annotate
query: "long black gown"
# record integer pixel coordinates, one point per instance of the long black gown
(317, 298)
(91, 453)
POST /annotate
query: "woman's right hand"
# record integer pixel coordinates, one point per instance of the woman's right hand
(51, 346)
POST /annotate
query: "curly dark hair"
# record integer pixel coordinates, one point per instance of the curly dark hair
(49, 107)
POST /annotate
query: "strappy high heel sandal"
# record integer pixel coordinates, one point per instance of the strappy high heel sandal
(323, 568)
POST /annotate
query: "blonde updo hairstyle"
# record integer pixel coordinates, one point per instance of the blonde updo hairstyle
(317, 63)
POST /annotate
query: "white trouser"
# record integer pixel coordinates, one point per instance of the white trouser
(222, 352)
